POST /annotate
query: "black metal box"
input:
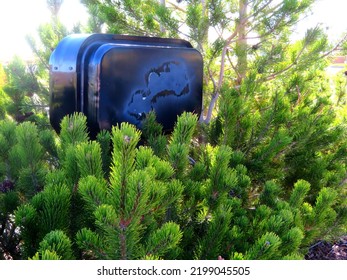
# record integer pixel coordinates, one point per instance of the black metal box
(116, 78)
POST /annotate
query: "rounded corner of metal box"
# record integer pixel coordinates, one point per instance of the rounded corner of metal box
(64, 57)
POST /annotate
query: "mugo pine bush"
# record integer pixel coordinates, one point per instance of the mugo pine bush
(123, 196)
(263, 178)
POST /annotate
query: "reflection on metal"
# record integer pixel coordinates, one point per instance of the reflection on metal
(116, 78)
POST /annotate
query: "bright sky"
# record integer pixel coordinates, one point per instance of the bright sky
(331, 14)
(21, 17)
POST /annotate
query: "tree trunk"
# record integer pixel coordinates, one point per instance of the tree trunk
(162, 28)
(210, 109)
(241, 45)
(241, 54)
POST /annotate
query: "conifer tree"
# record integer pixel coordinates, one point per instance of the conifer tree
(27, 155)
(120, 208)
(27, 83)
(73, 132)
(152, 133)
(47, 211)
(21, 89)
(49, 36)
(54, 246)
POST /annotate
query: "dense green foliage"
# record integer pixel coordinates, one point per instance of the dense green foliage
(264, 179)
(192, 202)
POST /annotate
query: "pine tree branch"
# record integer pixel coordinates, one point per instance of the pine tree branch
(136, 203)
(343, 181)
(270, 31)
(275, 75)
(212, 78)
(230, 40)
(123, 246)
(336, 47)
(299, 95)
(37, 52)
(219, 84)
(90, 249)
(267, 126)
(176, 7)
(233, 66)
(258, 11)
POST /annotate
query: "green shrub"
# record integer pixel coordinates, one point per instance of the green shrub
(269, 185)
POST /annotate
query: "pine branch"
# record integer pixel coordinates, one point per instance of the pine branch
(164, 239)
(290, 66)
(336, 47)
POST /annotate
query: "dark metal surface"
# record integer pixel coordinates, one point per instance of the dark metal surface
(115, 78)
(64, 67)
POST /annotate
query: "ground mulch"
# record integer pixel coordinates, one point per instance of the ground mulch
(324, 250)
